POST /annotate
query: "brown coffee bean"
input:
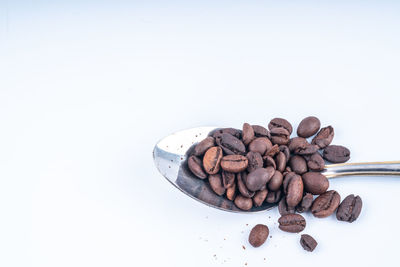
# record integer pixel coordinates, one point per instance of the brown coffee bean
(349, 209)
(269, 161)
(281, 161)
(336, 154)
(272, 151)
(308, 242)
(241, 178)
(203, 146)
(259, 178)
(259, 197)
(216, 184)
(292, 223)
(230, 144)
(305, 203)
(231, 192)
(283, 208)
(300, 145)
(315, 162)
(243, 203)
(260, 131)
(280, 123)
(324, 137)
(325, 204)
(212, 159)
(260, 145)
(195, 166)
(308, 127)
(280, 136)
(234, 163)
(274, 196)
(286, 151)
(293, 188)
(255, 161)
(298, 164)
(247, 133)
(315, 183)
(276, 181)
(258, 235)
(228, 178)
(232, 131)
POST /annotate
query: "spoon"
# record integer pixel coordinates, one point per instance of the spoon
(170, 156)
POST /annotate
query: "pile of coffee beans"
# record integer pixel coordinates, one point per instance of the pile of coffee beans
(253, 165)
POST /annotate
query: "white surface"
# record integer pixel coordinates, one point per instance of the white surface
(87, 89)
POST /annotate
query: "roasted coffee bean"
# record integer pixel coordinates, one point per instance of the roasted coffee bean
(247, 133)
(315, 162)
(259, 197)
(305, 203)
(232, 131)
(315, 183)
(231, 192)
(230, 144)
(283, 208)
(269, 161)
(325, 204)
(241, 183)
(292, 223)
(286, 151)
(243, 203)
(308, 242)
(349, 209)
(258, 235)
(280, 136)
(260, 145)
(203, 146)
(273, 196)
(260, 131)
(234, 163)
(293, 188)
(273, 151)
(280, 123)
(195, 166)
(212, 159)
(308, 127)
(259, 178)
(299, 145)
(336, 154)
(255, 161)
(298, 164)
(216, 184)
(281, 161)
(324, 137)
(276, 181)
(228, 179)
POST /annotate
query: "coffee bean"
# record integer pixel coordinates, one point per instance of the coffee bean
(292, 223)
(243, 203)
(212, 159)
(232, 131)
(230, 144)
(234, 163)
(259, 178)
(216, 184)
(283, 208)
(195, 166)
(228, 179)
(308, 127)
(286, 151)
(276, 181)
(315, 183)
(298, 164)
(305, 203)
(260, 131)
(280, 136)
(300, 145)
(308, 242)
(349, 209)
(325, 204)
(255, 161)
(273, 196)
(293, 188)
(247, 133)
(258, 235)
(324, 137)
(280, 123)
(241, 178)
(336, 154)
(281, 161)
(259, 197)
(315, 162)
(231, 192)
(260, 145)
(272, 151)
(203, 146)
(269, 161)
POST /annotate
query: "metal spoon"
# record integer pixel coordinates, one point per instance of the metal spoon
(170, 159)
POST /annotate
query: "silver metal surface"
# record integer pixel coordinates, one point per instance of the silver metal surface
(170, 156)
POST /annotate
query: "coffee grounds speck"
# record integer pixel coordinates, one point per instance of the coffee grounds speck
(243, 247)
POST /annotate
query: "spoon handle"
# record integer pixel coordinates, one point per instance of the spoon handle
(362, 168)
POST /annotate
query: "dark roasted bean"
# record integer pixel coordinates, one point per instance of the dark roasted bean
(259, 197)
(243, 203)
(255, 161)
(349, 209)
(305, 203)
(234, 163)
(315, 183)
(324, 137)
(247, 133)
(241, 178)
(280, 123)
(308, 242)
(228, 179)
(280, 136)
(325, 204)
(258, 235)
(259, 178)
(212, 159)
(196, 167)
(298, 164)
(283, 208)
(216, 184)
(293, 188)
(260, 145)
(260, 131)
(336, 154)
(203, 146)
(308, 127)
(292, 223)
(276, 181)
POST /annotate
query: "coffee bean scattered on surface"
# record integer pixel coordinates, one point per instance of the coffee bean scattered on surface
(258, 235)
(308, 242)
(349, 209)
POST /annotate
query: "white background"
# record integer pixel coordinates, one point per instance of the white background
(87, 89)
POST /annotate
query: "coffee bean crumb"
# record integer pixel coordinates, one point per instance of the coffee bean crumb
(247, 224)
(245, 263)
(224, 238)
(196, 135)
(181, 146)
(269, 217)
(243, 247)
(169, 166)
(270, 236)
(264, 258)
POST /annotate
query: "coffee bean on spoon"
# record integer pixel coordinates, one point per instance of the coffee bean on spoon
(259, 178)
(243, 203)
(272, 151)
(215, 181)
(247, 133)
(234, 163)
(260, 131)
(308, 127)
(241, 178)
(260, 145)
(203, 146)
(281, 161)
(274, 196)
(196, 167)
(298, 164)
(276, 181)
(280, 123)
(305, 203)
(228, 179)
(259, 197)
(231, 192)
(283, 208)
(293, 188)
(280, 136)
(315, 183)
(255, 161)
(292, 223)
(212, 159)
(230, 144)
(269, 161)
